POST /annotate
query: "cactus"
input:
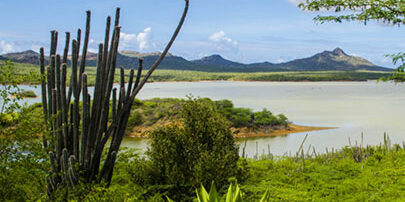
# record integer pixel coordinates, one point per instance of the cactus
(78, 135)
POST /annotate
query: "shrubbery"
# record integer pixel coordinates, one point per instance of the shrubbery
(27, 94)
(243, 117)
(162, 110)
(199, 151)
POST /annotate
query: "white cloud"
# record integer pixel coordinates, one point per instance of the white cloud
(127, 37)
(6, 47)
(143, 38)
(221, 37)
(141, 41)
(223, 42)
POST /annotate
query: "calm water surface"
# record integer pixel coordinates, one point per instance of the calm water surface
(354, 107)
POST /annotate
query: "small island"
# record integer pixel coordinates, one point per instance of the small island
(148, 115)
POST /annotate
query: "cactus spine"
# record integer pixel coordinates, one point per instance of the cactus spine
(78, 134)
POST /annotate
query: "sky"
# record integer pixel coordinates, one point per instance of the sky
(245, 31)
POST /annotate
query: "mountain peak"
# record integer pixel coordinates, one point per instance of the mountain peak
(23, 53)
(212, 57)
(338, 51)
(217, 60)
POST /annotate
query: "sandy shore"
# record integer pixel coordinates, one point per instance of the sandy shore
(292, 128)
(245, 132)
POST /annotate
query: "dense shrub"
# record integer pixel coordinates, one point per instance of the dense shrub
(134, 120)
(27, 93)
(243, 117)
(200, 151)
(265, 118)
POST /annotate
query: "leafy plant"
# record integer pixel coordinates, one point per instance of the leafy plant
(234, 194)
(198, 151)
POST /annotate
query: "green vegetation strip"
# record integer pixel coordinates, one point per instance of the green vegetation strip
(179, 75)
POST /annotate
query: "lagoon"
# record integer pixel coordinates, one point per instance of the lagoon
(354, 108)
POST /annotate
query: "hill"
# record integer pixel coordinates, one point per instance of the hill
(331, 60)
(336, 60)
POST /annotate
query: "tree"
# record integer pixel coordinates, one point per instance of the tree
(199, 150)
(386, 11)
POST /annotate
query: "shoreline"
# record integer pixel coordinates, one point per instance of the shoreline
(197, 81)
(292, 128)
(246, 132)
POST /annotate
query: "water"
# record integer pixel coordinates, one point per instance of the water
(354, 107)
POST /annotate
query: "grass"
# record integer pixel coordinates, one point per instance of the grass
(372, 173)
(379, 176)
(180, 75)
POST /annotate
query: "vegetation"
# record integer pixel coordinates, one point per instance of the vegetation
(10, 92)
(23, 164)
(391, 11)
(386, 11)
(162, 111)
(27, 94)
(200, 151)
(355, 173)
(180, 75)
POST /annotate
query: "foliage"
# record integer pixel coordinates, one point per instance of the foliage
(234, 194)
(399, 73)
(242, 117)
(266, 119)
(22, 160)
(26, 94)
(200, 151)
(387, 11)
(10, 92)
(159, 111)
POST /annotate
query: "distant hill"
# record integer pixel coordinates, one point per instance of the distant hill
(28, 56)
(332, 60)
(325, 61)
(217, 60)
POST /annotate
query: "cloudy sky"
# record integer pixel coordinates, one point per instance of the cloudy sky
(240, 30)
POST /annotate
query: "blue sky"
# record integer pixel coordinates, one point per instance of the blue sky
(240, 30)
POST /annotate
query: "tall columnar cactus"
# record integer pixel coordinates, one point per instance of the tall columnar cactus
(78, 134)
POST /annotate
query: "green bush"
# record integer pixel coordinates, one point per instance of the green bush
(241, 117)
(27, 93)
(200, 151)
(264, 118)
(134, 120)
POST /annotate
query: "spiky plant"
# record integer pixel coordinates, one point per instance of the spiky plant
(78, 134)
